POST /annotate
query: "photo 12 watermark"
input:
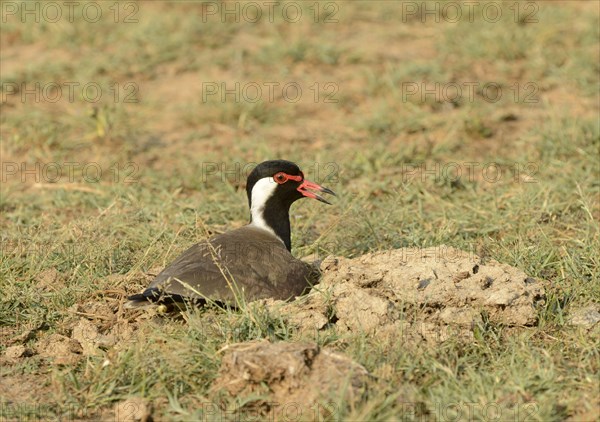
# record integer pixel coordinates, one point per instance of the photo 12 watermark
(469, 91)
(523, 12)
(36, 250)
(60, 12)
(469, 411)
(41, 412)
(237, 172)
(68, 172)
(279, 411)
(470, 171)
(269, 92)
(70, 91)
(326, 12)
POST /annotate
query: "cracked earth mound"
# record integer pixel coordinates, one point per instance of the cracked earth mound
(416, 289)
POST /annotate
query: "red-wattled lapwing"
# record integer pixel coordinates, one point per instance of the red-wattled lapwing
(252, 262)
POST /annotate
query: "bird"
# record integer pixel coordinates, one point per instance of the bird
(249, 263)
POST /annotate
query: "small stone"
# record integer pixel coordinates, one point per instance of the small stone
(461, 276)
(423, 284)
(487, 283)
(586, 317)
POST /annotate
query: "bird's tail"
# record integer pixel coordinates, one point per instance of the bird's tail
(139, 301)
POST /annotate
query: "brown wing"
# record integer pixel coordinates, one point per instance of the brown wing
(249, 261)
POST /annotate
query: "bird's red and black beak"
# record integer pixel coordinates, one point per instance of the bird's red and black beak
(306, 187)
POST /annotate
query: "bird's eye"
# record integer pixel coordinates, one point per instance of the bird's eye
(280, 178)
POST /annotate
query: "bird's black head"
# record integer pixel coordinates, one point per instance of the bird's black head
(272, 187)
(264, 173)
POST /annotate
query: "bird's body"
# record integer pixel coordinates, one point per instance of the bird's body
(255, 263)
(251, 262)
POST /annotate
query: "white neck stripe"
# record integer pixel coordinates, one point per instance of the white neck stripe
(261, 192)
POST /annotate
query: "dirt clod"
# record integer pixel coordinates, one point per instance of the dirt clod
(59, 349)
(47, 279)
(14, 353)
(285, 375)
(86, 333)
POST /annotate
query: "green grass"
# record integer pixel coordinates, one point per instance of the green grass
(372, 147)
